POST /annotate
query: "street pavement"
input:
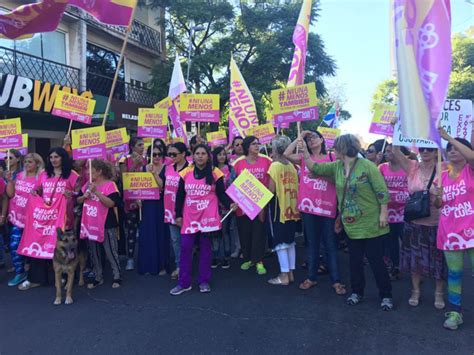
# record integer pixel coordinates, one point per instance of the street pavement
(243, 314)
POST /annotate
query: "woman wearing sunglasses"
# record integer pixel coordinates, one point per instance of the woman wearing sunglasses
(418, 254)
(170, 176)
(153, 248)
(456, 224)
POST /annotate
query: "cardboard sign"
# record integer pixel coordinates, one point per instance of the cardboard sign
(249, 193)
(140, 186)
(298, 103)
(165, 103)
(116, 143)
(152, 122)
(88, 143)
(23, 148)
(264, 133)
(456, 119)
(200, 107)
(73, 107)
(330, 135)
(215, 139)
(10, 133)
(382, 120)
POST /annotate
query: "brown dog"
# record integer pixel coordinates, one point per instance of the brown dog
(67, 256)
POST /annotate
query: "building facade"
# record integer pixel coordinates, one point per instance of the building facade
(81, 57)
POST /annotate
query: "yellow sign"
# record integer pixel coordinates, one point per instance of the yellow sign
(294, 98)
(152, 117)
(215, 139)
(10, 127)
(200, 107)
(73, 107)
(384, 114)
(165, 103)
(264, 133)
(116, 137)
(140, 186)
(329, 134)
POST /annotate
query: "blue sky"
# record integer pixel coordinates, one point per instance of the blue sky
(356, 35)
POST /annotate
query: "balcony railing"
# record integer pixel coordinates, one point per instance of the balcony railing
(100, 85)
(33, 67)
(145, 36)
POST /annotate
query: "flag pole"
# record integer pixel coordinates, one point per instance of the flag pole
(439, 167)
(119, 65)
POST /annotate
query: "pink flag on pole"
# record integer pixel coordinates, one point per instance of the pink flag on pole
(25, 20)
(423, 49)
(112, 12)
(177, 87)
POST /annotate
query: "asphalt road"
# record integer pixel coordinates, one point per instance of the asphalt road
(242, 314)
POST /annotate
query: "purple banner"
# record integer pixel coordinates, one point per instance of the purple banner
(381, 128)
(307, 114)
(11, 142)
(152, 131)
(142, 194)
(95, 151)
(74, 116)
(201, 116)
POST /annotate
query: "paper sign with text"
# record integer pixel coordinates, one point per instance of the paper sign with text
(330, 135)
(298, 103)
(88, 143)
(116, 143)
(152, 122)
(200, 107)
(215, 139)
(10, 133)
(140, 186)
(23, 148)
(165, 103)
(264, 132)
(456, 119)
(249, 193)
(73, 107)
(382, 120)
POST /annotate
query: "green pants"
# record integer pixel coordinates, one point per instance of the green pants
(455, 262)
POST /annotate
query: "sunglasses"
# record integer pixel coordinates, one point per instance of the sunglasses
(238, 144)
(157, 155)
(172, 155)
(421, 150)
(8, 158)
(371, 151)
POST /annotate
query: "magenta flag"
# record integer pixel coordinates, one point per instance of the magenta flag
(112, 12)
(27, 20)
(423, 49)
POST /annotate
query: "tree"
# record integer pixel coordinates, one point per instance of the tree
(259, 36)
(461, 84)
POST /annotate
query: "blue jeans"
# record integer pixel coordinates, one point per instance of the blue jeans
(221, 246)
(17, 259)
(321, 229)
(175, 235)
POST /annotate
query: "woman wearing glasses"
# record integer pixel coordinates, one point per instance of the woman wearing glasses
(153, 248)
(419, 255)
(252, 232)
(170, 176)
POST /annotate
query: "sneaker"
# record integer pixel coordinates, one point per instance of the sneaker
(354, 299)
(179, 290)
(246, 265)
(215, 263)
(261, 269)
(130, 265)
(204, 288)
(175, 274)
(386, 304)
(453, 321)
(18, 279)
(235, 254)
(225, 264)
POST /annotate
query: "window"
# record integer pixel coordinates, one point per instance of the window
(139, 75)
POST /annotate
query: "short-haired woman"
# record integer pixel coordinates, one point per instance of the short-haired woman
(363, 198)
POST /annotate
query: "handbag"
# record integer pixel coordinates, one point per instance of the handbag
(418, 205)
(338, 226)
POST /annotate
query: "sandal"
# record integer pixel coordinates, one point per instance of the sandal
(26, 285)
(439, 300)
(117, 283)
(277, 281)
(307, 284)
(322, 270)
(414, 298)
(94, 284)
(340, 289)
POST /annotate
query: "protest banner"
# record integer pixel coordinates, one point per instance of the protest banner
(39, 236)
(165, 103)
(116, 143)
(456, 119)
(200, 108)
(152, 122)
(23, 148)
(73, 107)
(88, 143)
(264, 132)
(330, 135)
(382, 120)
(10, 133)
(140, 186)
(295, 104)
(249, 193)
(215, 139)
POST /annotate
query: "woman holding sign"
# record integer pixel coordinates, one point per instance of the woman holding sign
(456, 225)
(18, 191)
(99, 222)
(252, 232)
(201, 189)
(133, 162)
(363, 198)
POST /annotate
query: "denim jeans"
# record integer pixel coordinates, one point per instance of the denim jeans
(2, 248)
(175, 235)
(234, 234)
(319, 230)
(221, 245)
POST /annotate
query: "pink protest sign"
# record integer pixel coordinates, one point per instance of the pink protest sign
(89, 143)
(382, 120)
(200, 108)
(152, 132)
(73, 107)
(295, 104)
(11, 142)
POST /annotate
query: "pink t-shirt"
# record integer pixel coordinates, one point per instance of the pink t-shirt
(456, 223)
(130, 167)
(397, 184)
(316, 195)
(17, 205)
(417, 183)
(225, 169)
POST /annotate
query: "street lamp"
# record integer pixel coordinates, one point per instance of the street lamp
(192, 30)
